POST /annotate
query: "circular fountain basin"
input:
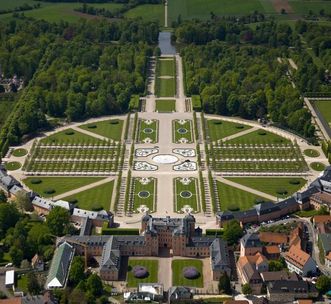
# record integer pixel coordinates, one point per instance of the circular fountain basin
(165, 159)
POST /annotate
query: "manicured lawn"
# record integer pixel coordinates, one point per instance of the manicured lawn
(186, 194)
(166, 87)
(259, 137)
(178, 278)
(317, 166)
(201, 9)
(166, 105)
(144, 194)
(12, 166)
(19, 152)
(95, 198)
(22, 283)
(324, 106)
(167, 67)
(234, 199)
(182, 131)
(273, 186)
(307, 213)
(59, 184)
(218, 129)
(152, 268)
(109, 128)
(148, 12)
(69, 136)
(148, 130)
(311, 153)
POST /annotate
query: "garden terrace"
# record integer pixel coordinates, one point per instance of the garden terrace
(148, 131)
(142, 193)
(253, 157)
(95, 158)
(150, 265)
(186, 191)
(178, 271)
(182, 131)
(165, 105)
(111, 129)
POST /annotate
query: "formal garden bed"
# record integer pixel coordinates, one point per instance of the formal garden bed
(186, 272)
(147, 131)
(182, 131)
(141, 271)
(186, 194)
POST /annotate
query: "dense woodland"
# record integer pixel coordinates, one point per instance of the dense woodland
(235, 70)
(87, 69)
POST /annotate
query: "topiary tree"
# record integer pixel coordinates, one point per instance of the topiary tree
(323, 284)
(140, 272)
(246, 289)
(191, 273)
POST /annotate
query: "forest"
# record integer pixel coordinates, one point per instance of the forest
(83, 70)
(235, 70)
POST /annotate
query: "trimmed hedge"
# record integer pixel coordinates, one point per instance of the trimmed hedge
(36, 181)
(120, 231)
(49, 191)
(214, 232)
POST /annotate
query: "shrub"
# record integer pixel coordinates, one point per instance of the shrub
(69, 133)
(114, 122)
(262, 133)
(294, 182)
(73, 201)
(97, 208)
(140, 272)
(281, 191)
(259, 201)
(191, 273)
(36, 181)
(92, 126)
(233, 208)
(217, 122)
(49, 191)
(239, 126)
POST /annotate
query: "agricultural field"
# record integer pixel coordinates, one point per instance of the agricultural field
(49, 157)
(186, 191)
(165, 105)
(151, 266)
(148, 12)
(235, 199)
(59, 185)
(182, 131)
(219, 129)
(178, 278)
(201, 9)
(96, 198)
(143, 192)
(111, 129)
(280, 187)
(257, 157)
(302, 7)
(148, 131)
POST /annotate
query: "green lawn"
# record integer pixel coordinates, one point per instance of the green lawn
(166, 67)
(259, 137)
(324, 106)
(192, 189)
(19, 152)
(317, 166)
(234, 199)
(218, 129)
(152, 268)
(166, 105)
(95, 198)
(54, 12)
(59, 184)
(22, 283)
(166, 87)
(311, 153)
(177, 273)
(69, 136)
(201, 9)
(138, 195)
(148, 130)
(179, 130)
(109, 128)
(273, 186)
(148, 12)
(12, 166)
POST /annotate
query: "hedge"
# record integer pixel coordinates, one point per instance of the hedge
(120, 231)
(214, 232)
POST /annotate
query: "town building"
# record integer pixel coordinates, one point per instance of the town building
(299, 261)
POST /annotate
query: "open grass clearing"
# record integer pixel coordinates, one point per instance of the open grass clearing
(235, 199)
(148, 12)
(58, 184)
(93, 199)
(311, 153)
(165, 105)
(148, 130)
(152, 267)
(280, 187)
(143, 193)
(12, 166)
(182, 131)
(186, 193)
(111, 129)
(259, 137)
(178, 278)
(218, 129)
(69, 136)
(19, 152)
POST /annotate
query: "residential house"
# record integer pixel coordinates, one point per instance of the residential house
(37, 263)
(282, 275)
(179, 293)
(250, 244)
(325, 241)
(299, 261)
